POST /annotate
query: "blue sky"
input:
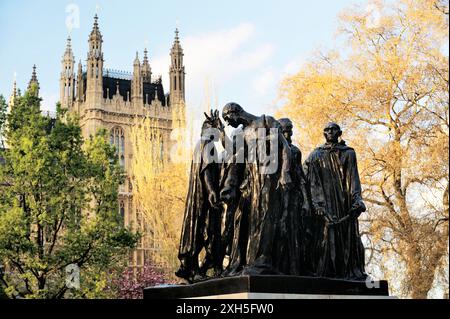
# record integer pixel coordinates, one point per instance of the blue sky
(234, 50)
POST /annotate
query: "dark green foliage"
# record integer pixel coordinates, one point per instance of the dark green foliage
(58, 206)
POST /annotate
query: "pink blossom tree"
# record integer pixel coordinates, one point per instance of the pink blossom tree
(131, 283)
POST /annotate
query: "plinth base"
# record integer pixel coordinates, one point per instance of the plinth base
(258, 295)
(271, 286)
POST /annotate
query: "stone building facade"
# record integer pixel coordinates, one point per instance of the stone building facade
(110, 99)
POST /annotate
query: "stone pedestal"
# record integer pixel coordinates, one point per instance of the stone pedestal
(273, 287)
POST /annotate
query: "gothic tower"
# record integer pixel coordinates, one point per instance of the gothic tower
(176, 72)
(13, 97)
(9, 107)
(116, 100)
(146, 70)
(136, 82)
(67, 81)
(34, 81)
(94, 90)
(80, 83)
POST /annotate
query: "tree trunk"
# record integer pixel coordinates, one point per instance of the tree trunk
(420, 281)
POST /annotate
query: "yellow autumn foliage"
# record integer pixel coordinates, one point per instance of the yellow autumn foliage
(160, 184)
(387, 86)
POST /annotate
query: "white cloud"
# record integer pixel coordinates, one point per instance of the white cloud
(294, 65)
(49, 101)
(215, 58)
(266, 84)
(265, 81)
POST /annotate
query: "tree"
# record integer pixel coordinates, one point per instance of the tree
(131, 285)
(58, 206)
(159, 186)
(388, 87)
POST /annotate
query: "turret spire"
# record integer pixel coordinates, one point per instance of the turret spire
(14, 88)
(80, 83)
(145, 56)
(68, 46)
(68, 58)
(33, 74)
(95, 38)
(94, 83)
(95, 26)
(136, 83)
(177, 39)
(176, 71)
(176, 42)
(67, 81)
(13, 96)
(34, 81)
(146, 69)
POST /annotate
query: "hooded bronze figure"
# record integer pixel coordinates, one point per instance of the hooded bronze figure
(332, 173)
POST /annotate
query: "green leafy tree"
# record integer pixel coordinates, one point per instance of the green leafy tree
(58, 206)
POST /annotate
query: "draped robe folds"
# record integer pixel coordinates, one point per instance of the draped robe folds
(292, 235)
(199, 229)
(258, 209)
(332, 173)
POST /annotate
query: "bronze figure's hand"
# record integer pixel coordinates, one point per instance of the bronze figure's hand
(212, 198)
(357, 208)
(285, 181)
(227, 195)
(214, 119)
(320, 211)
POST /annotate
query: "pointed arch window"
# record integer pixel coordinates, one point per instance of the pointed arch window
(117, 138)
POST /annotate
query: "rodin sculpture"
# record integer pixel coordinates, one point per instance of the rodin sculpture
(261, 181)
(332, 172)
(202, 217)
(257, 207)
(294, 233)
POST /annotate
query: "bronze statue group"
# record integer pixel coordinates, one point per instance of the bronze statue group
(256, 209)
